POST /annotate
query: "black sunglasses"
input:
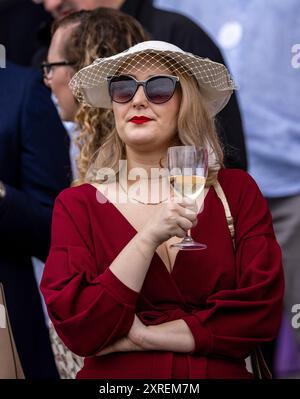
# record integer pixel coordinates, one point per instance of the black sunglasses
(158, 89)
(47, 66)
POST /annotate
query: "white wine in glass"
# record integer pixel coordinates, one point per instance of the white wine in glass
(188, 168)
(188, 186)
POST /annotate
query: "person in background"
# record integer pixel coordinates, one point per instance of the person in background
(77, 40)
(180, 31)
(34, 168)
(116, 292)
(267, 71)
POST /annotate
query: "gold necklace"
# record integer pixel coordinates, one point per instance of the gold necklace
(141, 202)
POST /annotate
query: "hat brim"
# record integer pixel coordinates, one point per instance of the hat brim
(89, 85)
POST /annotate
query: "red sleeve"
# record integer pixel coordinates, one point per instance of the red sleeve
(236, 320)
(89, 310)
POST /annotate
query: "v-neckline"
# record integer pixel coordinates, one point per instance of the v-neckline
(134, 230)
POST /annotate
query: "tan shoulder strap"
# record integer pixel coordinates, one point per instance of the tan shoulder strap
(230, 221)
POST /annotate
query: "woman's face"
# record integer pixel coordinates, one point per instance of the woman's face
(60, 76)
(161, 128)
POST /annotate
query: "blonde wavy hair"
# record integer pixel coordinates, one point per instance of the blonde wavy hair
(97, 33)
(195, 127)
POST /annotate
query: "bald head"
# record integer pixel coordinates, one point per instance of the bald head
(60, 8)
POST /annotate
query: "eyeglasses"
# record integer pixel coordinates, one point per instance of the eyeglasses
(158, 89)
(47, 67)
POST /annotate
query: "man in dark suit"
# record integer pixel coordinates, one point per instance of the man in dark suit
(34, 168)
(184, 33)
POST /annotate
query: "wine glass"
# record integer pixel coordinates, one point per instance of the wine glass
(188, 168)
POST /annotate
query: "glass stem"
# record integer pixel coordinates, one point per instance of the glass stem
(188, 236)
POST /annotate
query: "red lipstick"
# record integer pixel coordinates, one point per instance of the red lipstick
(138, 120)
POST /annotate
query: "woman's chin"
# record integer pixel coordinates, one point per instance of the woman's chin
(140, 138)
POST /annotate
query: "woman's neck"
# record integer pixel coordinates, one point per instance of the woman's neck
(145, 172)
(145, 163)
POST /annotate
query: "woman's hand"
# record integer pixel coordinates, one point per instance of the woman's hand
(132, 342)
(173, 336)
(121, 345)
(173, 219)
(137, 332)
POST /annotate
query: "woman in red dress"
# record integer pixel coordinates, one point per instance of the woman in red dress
(116, 292)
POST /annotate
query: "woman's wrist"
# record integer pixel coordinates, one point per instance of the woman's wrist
(145, 240)
(170, 336)
(146, 338)
(153, 338)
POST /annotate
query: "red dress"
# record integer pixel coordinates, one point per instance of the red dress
(230, 301)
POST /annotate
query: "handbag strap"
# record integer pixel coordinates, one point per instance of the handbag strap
(19, 374)
(258, 363)
(230, 222)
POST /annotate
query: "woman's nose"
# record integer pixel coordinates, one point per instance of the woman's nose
(140, 97)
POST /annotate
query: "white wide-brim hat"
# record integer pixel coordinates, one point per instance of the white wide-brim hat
(90, 86)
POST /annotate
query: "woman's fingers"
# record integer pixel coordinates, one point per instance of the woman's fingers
(174, 219)
(179, 232)
(184, 223)
(186, 209)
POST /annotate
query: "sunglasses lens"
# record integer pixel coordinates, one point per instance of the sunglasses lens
(122, 89)
(160, 89)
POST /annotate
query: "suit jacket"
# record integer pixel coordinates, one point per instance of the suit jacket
(21, 30)
(184, 33)
(34, 166)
